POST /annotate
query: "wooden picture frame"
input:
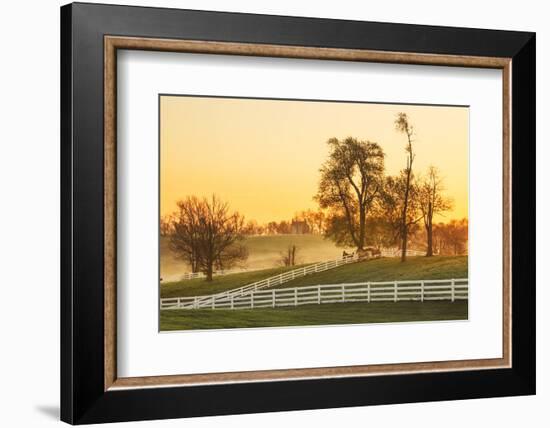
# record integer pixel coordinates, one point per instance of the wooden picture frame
(91, 390)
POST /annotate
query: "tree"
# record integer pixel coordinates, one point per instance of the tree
(431, 202)
(252, 228)
(208, 235)
(283, 227)
(307, 219)
(271, 228)
(403, 125)
(318, 221)
(165, 225)
(184, 232)
(288, 258)
(390, 209)
(351, 179)
(452, 238)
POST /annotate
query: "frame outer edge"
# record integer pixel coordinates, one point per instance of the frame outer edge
(82, 400)
(523, 149)
(66, 218)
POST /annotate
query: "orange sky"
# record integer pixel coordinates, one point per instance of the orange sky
(263, 156)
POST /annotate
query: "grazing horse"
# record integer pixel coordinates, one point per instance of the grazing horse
(368, 253)
(346, 255)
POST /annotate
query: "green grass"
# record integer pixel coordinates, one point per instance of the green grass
(308, 315)
(199, 286)
(384, 269)
(388, 269)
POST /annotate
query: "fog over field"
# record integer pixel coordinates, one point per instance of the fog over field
(264, 252)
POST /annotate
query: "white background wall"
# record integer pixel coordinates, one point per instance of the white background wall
(29, 213)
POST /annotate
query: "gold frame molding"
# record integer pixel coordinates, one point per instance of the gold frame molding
(113, 43)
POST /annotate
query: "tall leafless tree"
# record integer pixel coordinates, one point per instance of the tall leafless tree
(403, 125)
(208, 235)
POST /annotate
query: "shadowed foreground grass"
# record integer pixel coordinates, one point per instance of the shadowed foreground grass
(307, 315)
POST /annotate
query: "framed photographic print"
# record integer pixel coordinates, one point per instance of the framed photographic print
(264, 213)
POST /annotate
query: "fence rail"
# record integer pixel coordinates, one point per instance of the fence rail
(206, 300)
(385, 252)
(389, 291)
(194, 275)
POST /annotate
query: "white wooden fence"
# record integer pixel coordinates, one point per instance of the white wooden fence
(388, 291)
(384, 252)
(194, 275)
(206, 300)
(393, 252)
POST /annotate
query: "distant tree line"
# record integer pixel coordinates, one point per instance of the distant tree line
(303, 222)
(449, 239)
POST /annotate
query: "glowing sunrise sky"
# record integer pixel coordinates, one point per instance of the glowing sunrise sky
(263, 156)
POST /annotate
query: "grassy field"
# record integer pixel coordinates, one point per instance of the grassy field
(389, 269)
(385, 269)
(264, 253)
(307, 315)
(196, 287)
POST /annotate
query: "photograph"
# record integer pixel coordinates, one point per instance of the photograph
(293, 212)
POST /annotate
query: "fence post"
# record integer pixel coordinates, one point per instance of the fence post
(343, 294)
(213, 303)
(452, 290)
(252, 300)
(273, 297)
(318, 294)
(395, 291)
(368, 292)
(421, 291)
(232, 305)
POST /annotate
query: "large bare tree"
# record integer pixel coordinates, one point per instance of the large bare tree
(431, 202)
(208, 235)
(351, 180)
(403, 125)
